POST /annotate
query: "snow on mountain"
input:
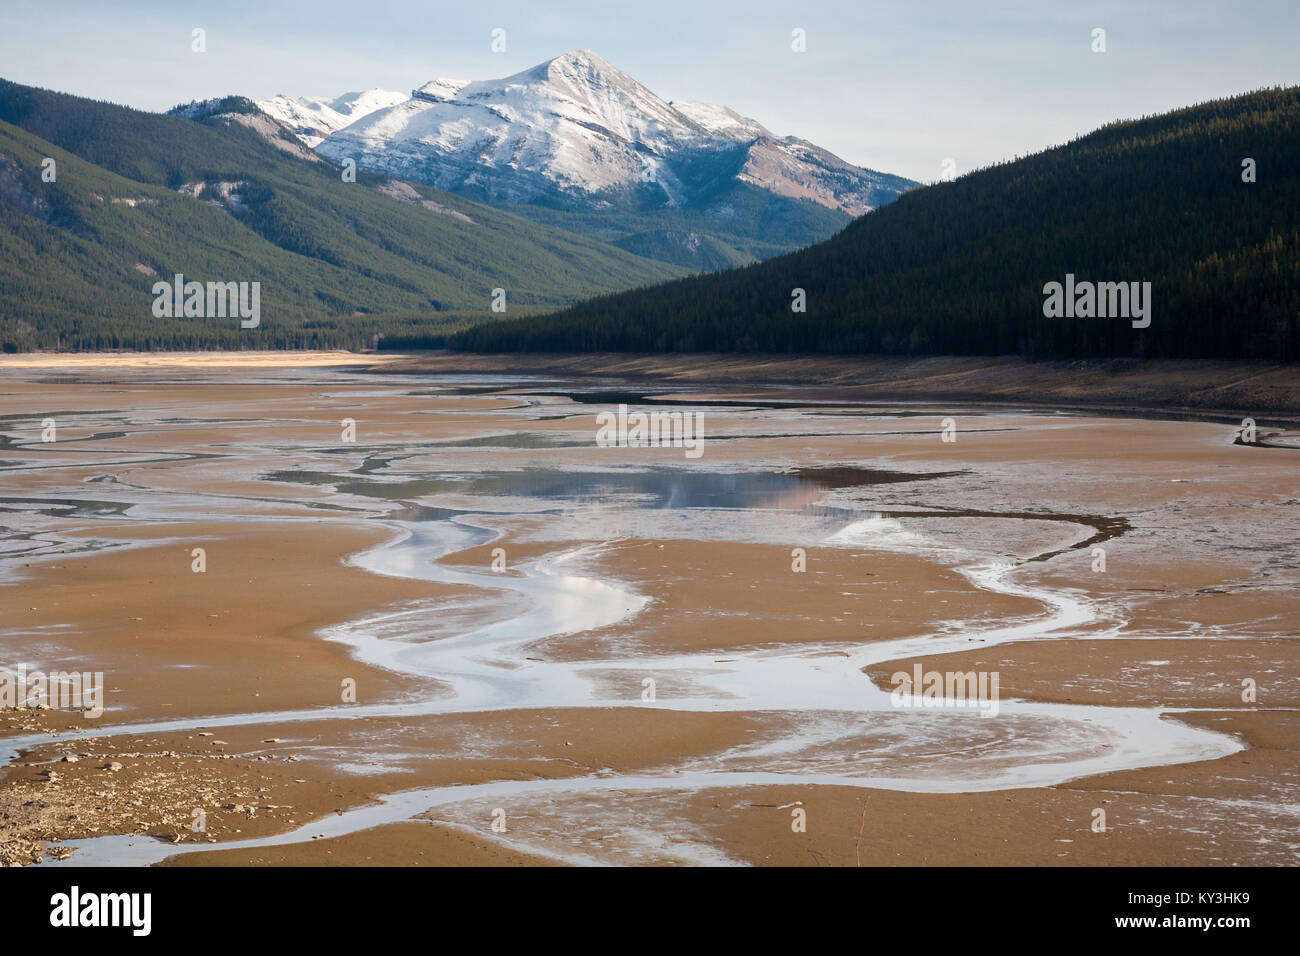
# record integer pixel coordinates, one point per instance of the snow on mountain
(244, 112)
(313, 118)
(578, 130)
(573, 124)
(721, 121)
(439, 90)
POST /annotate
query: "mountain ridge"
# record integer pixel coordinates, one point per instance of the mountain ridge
(577, 143)
(313, 118)
(575, 127)
(963, 267)
(223, 194)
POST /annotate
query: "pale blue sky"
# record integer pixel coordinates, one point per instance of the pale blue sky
(895, 86)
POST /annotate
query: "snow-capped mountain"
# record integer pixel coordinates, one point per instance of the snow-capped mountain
(720, 120)
(313, 118)
(577, 132)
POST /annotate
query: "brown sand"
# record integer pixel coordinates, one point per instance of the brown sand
(245, 635)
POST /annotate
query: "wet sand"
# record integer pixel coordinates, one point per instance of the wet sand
(524, 685)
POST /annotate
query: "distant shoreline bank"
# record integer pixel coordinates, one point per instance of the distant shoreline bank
(21, 361)
(1227, 389)
(1205, 388)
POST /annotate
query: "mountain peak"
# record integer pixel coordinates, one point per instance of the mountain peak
(583, 58)
(576, 130)
(582, 73)
(573, 72)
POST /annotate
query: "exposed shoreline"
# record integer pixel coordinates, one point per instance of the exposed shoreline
(1230, 390)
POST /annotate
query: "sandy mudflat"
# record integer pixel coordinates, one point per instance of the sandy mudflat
(241, 636)
(398, 844)
(613, 647)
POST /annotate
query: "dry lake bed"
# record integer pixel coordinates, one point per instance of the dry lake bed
(289, 610)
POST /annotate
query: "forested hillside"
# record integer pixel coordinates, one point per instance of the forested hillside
(138, 197)
(960, 267)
